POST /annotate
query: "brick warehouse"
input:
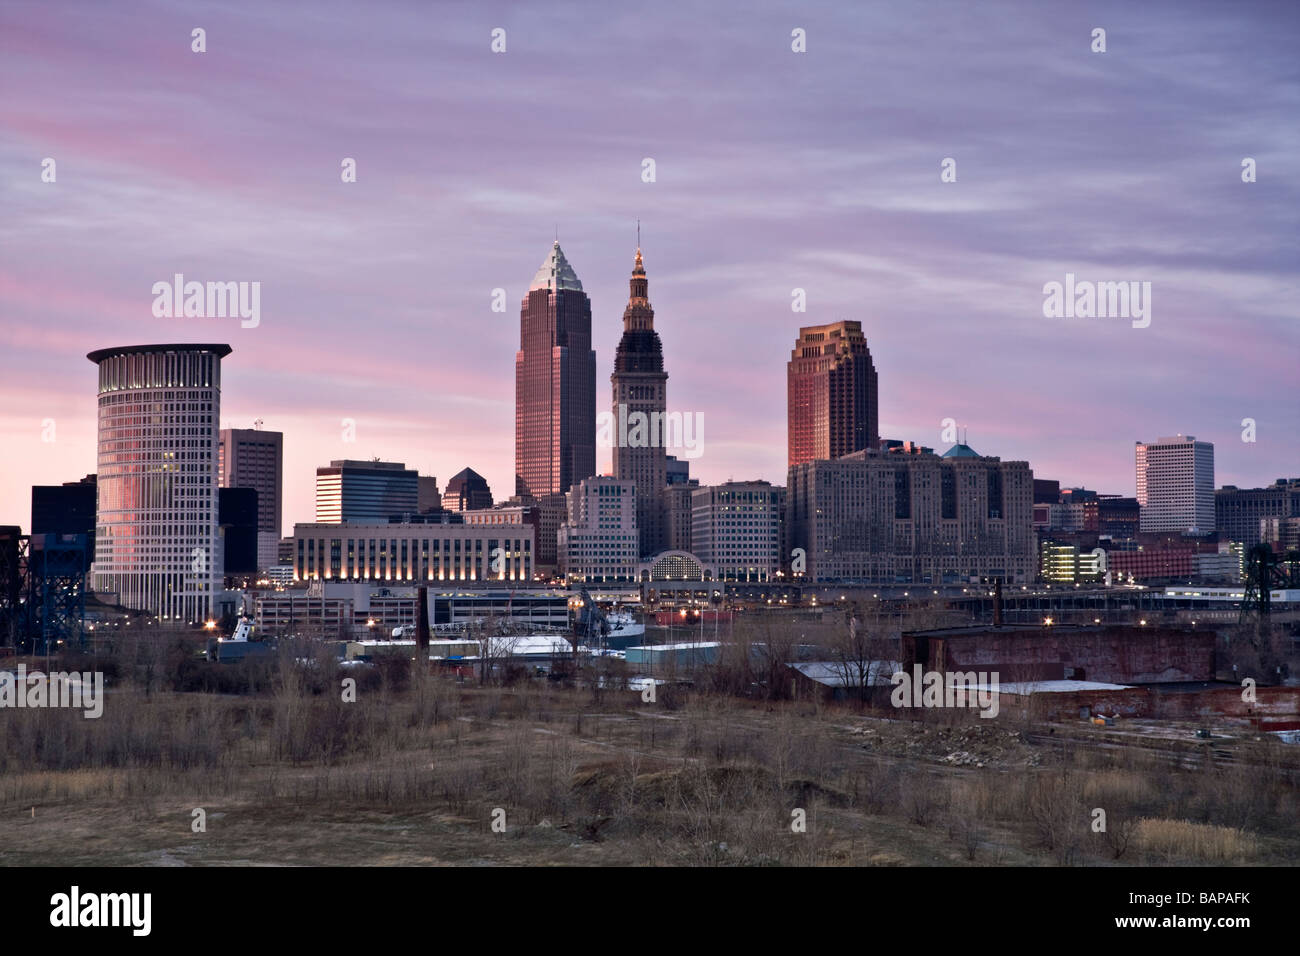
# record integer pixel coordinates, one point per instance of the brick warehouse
(1117, 654)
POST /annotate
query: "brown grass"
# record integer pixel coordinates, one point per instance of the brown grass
(1184, 840)
(713, 780)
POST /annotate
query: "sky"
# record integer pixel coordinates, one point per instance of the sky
(774, 170)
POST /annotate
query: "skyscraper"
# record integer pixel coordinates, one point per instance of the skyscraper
(252, 458)
(365, 491)
(555, 395)
(1175, 484)
(156, 520)
(467, 491)
(831, 393)
(640, 387)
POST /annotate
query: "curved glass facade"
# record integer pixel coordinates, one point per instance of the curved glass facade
(156, 517)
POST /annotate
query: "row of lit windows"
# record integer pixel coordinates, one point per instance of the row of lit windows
(159, 370)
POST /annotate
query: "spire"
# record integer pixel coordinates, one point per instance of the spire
(638, 314)
(556, 273)
(639, 350)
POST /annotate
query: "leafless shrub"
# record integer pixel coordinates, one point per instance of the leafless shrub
(1058, 814)
(923, 798)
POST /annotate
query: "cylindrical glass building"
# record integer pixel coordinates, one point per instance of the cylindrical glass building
(156, 517)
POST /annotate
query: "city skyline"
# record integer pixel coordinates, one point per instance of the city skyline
(367, 288)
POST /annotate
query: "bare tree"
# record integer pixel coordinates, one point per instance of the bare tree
(859, 654)
(496, 647)
(772, 657)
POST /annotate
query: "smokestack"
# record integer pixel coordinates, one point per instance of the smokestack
(422, 619)
(997, 602)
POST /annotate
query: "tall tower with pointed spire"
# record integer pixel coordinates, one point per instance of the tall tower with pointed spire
(555, 395)
(640, 387)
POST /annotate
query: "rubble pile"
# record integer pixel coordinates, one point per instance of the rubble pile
(958, 746)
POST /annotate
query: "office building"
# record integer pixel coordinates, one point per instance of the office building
(413, 552)
(1118, 517)
(156, 518)
(365, 491)
(238, 514)
(598, 543)
(428, 497)
(1047, 491)
(680, 513)
(640, 400)
(736, 528)
(1280, 534)
(1066, 562)
(1175, 484)
(555, 395)
(253, 458)
(467, 491)
(1169, 558)
(677, 471)
(370, 610)
(912, 519)
(68, 508)
(831, 393)
(1238, 512)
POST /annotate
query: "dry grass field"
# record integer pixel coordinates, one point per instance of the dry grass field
(421, 769)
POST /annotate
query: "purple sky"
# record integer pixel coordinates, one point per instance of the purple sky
(775, 170)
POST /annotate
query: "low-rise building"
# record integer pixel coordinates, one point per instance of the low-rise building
(413, 552)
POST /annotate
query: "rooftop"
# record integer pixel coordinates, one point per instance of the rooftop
(848, 673)
(100, 354)
(556, 273)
